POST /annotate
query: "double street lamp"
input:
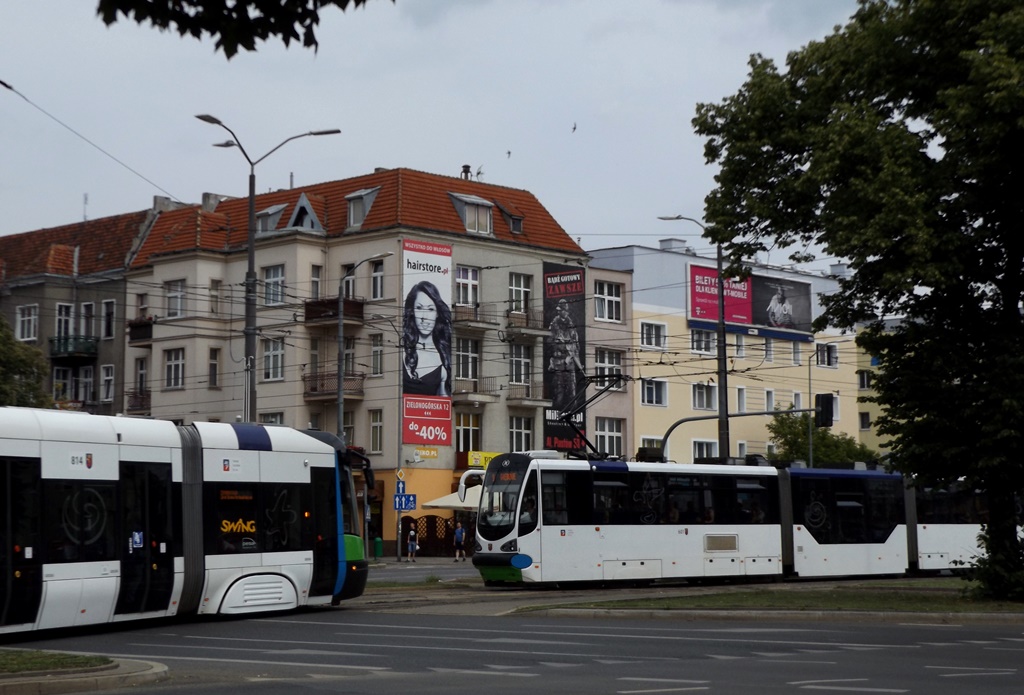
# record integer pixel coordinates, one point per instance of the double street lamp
(249, 399)
(723, 370)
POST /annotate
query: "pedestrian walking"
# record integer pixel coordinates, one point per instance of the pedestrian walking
(411, 545)
(460, 542)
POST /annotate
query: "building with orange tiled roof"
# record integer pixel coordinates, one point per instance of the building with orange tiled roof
(496, 258)
(63, 291)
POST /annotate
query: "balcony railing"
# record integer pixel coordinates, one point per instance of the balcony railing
(140, 330)
(138, 400)
(532, 391)
(324, 385)
(526, 317)
(476, 313)
(326, 309)
(73, 346)
(487, 385)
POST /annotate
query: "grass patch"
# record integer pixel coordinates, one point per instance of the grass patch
(23, 661)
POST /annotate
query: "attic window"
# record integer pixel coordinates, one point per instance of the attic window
(475, 212)
(266, 220)
(516, 225)
(359, 204)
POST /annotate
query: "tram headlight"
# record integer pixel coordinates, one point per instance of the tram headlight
(511, 547)
(477, 547)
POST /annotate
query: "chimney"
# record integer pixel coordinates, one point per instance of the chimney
(467, 170)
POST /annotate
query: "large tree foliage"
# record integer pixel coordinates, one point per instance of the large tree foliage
(789, 433)
(23, 371)
(234, 23)
(895, 143)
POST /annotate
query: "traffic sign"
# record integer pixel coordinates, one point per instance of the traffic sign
(405, 503)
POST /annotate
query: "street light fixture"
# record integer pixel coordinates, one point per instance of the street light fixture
(341, 341)
(249, 399)
(723, 387)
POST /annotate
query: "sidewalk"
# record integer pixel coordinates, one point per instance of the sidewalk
(121, 673)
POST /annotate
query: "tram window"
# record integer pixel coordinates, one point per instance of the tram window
(956, 504)
(288, 523)
(552, 502)
(79, 521)
(231, 519)
(849, 509)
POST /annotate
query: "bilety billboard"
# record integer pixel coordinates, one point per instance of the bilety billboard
(780, 304)
(564, 355)
(426, 346)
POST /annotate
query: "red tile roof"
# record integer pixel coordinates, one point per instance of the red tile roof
(103, 245)
(406, 198)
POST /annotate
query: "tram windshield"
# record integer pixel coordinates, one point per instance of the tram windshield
(503, 484)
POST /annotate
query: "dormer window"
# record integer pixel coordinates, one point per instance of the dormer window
(267, 220)
(304, 216)
(359, 204)
(516, 225)
(475, 212)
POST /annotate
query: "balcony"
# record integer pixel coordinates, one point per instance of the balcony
(528, 395)
(322, 311)
(526, 320)
(138, 400)
(323, 386)
(75, 346)
(476, 391)
(479, 316)
(140, 331)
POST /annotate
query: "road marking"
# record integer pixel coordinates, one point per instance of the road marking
(832, 685)
(470, 672)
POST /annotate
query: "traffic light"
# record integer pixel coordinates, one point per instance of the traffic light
(823, 410)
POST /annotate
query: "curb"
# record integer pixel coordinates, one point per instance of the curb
(774, 616)
(123, 673)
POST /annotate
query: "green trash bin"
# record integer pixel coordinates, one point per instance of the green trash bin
(378, 547)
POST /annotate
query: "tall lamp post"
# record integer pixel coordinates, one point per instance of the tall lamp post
(250, 273)
(723, 371)
(341, 341)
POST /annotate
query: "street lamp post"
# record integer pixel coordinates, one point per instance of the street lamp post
(249, 398)
(723, 370)
(341, 341)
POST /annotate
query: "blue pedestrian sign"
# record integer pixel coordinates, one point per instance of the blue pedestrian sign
(405, 503)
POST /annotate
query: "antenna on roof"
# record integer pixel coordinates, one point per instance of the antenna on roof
(85, 205)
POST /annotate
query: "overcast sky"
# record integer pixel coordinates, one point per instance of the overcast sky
(424, 84)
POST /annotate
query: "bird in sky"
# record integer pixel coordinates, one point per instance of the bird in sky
(574, 127)
(509, 153)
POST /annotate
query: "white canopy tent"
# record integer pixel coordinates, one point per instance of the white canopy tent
(451, 501)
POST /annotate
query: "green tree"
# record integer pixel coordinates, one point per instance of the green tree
(238, 24)
(789, 433)
(23, 371)
(895, 143)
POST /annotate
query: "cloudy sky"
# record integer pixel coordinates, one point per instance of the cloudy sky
(425, 84)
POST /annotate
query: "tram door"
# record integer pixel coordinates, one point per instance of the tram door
(20, 541)
(146, 523)
(325, 529)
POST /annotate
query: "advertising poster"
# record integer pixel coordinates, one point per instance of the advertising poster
(564, 353)
(758, 301)
(426, 352)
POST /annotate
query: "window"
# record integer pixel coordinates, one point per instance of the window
(376, 431)
(314, 357)
(797, 353)
(214, 371)
(273, 285)
(519, 292)
(377, 354)
(865, 379)
(520, 363)
(467, 286)
(653, 443)
(467, 359)
(828, 355)
(652, 336)
(769, 350)
(174, 294)
(215, 287)
(348, 283)
(607, 301)
(705, 397)
(107, 383)
(741, 345)
(61, 383)
(769, 400)
(704, 449)
(142, 374)
(741, 449)
(109, 306)
(865, 420)
(607, 363)
(356, 211)
(64, 313)
(174, 368)
(377, 280)
(315, 274)
(28, 322)
(653, 392)
(348, 423)
(608, 435)
(84, 385)
(741, 399)
(467, 432)
(478, 218)
(272, 418)
(87, 320)
(703, 341)
(142, 305)
(348, 357)
(520, 431)
(273, 359)
(798, 400)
